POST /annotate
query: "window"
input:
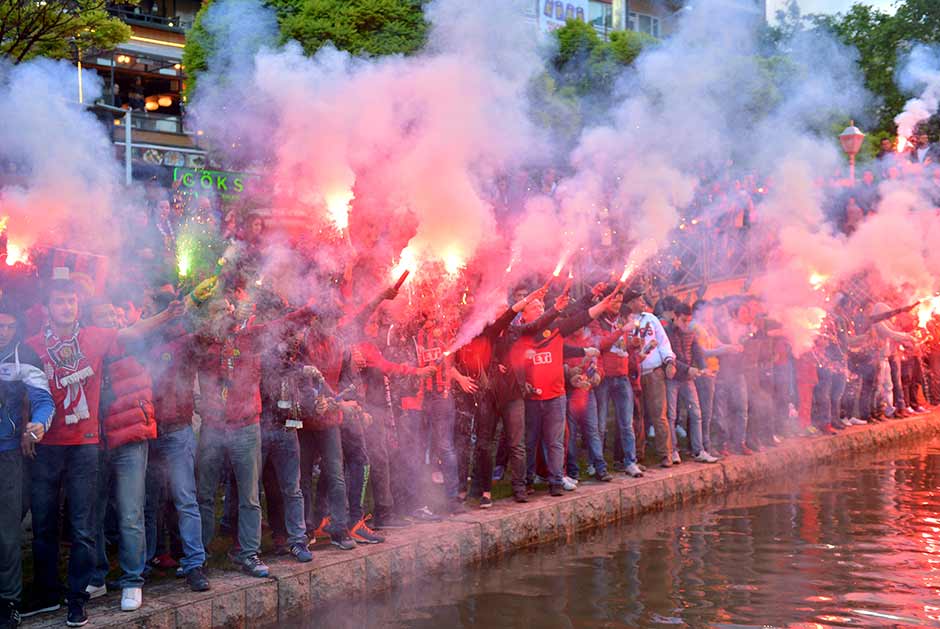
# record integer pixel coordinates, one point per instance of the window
(644, 24)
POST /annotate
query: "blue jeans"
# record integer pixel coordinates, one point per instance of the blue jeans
(545, 428)
(705, 387)
(330, 499)
(242, 447)
(177, 451)
(282, 447)
(827, 396)
(618, 389)
(584, 417)
(441, 416)
(682, 394)
(76, 469)
(731, 406)
(123, 470)
(11, 528)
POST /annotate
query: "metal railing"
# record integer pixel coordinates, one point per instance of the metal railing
(164, 123)
(135, 16)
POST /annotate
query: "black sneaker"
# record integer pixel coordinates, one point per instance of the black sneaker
(253, 565)
(40, 606)
(486, 502)
(520, 496)
(604, 478)
(556, 490)
(342, 541)
(9, 615)
(456, 507)
(77, 616)
(197, 581)
(390, 522)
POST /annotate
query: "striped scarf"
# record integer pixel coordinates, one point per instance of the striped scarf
(68, 370)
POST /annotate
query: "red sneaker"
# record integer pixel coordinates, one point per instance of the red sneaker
(828, 430)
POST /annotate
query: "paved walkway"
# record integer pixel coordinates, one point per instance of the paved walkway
(237, 600)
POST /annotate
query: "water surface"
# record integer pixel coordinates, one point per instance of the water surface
(853, 545)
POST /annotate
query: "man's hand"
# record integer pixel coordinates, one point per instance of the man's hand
(562, 302)
(502, 368)
(176, 308)
(358, 359)
(694, 372)
(670, 370)
(31, 436)
(348, 407)
(322, 405)
(389, 293)
(427, 371)
(466, 383)
(592, 352)
(580, 381)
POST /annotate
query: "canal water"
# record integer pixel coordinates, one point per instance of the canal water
(856, 544)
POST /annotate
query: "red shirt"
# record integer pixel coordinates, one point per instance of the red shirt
(96, 344)
(542, 359)
(173, 369)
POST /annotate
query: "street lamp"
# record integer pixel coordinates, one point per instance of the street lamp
(851, 140)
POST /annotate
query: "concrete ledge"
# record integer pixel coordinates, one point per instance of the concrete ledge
(295, 589)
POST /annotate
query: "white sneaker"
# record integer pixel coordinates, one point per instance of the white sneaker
(846, 423)
(855, 421)
(705, 457)
(590, 470)
(568, 484)
(568, 479)
(889, 412)
(920, 410)
(910, 410)
(676, 460)
(131, 599)
(634, 470)
(95, 591)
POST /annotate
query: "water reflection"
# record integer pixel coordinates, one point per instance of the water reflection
(853, 546)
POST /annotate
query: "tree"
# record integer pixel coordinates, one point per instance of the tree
(53, 28)
(591, 65)
(361, 27)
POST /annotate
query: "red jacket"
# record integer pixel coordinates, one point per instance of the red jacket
(129, 416)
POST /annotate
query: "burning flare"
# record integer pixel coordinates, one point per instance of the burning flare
(337, 206)
(817, 280)
(16, 254)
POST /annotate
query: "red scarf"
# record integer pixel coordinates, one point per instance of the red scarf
(69, 370)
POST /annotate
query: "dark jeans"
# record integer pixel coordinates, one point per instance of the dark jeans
(868, 375)
(410, 460)
(379, 470)
(512, 414)
(545, 428)
(74, 468)
(330, 499)
(11, 531)
(280, 447)
(355, 466)
(895, 365)
(912, 378)
(705, 386)
(441, 417)
(827, 396)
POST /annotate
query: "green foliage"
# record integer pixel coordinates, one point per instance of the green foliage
(881, 40)
(56, 28)
(361, 27)
(590, 65)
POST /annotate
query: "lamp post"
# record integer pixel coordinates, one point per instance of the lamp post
(851, 140)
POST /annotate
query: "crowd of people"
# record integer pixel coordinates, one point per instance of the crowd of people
(125, 417)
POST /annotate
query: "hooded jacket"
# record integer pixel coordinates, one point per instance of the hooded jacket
(22, 378)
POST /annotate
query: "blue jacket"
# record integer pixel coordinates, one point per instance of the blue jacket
(22, 377)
